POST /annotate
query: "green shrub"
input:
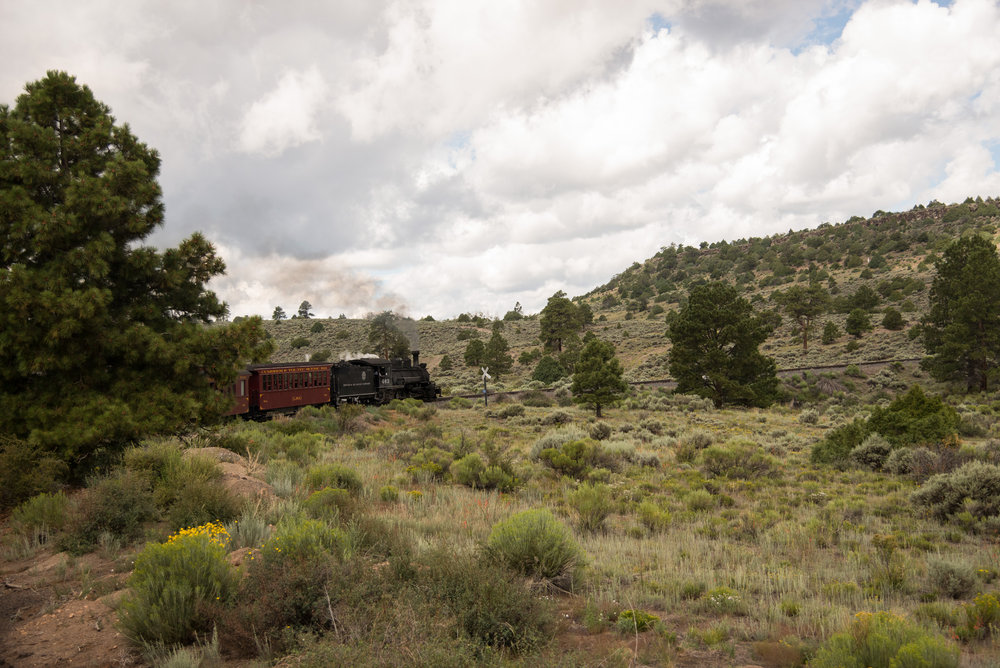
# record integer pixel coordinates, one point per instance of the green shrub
(982, 618)
(303, 540)
(249, 530)
(117, 505)
(885, 640)
(316, 328)
(536, 399)
(914, 419)
(509, 411)
(974, 488)
(724, 601)
(299, 342)
(171, 583)
(332, 475)
(917, 462)
(536, 544)
(635, 621)
(283, 593)
(600, 431)
(700, 499)
(593, 505)
(40, 516)
(26, 470)
(490, 605)
(872, 452)
(836, 447)
(950, 579)
(320, 355)
(739, 459)
(691, 443)
(329, 504)
(473, 472)
(653, 517)
(432, 461)
(578, 458)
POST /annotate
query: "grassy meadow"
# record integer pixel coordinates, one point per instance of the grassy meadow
(707, 536)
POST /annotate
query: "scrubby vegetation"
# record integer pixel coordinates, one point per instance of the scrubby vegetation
(854, 521)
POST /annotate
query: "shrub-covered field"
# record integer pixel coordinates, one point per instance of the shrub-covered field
(669, 533)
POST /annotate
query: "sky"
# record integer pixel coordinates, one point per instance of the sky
(435, 157)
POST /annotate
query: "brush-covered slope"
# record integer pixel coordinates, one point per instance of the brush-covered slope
(889, 257)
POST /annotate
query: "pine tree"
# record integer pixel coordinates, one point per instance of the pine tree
(305, 310)
(804, 304)
(858, 322)
(560, 319)
(962, 328)
(102, 340)
(279, 314)
(386, 338)
(715, 354)
(496, 355)
(475, 353)
(598, 381)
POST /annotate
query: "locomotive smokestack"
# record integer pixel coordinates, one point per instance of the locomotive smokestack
(416, 357)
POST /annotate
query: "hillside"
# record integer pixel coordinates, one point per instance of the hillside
(892, 254)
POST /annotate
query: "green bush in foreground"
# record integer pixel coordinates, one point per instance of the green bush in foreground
(171, 584)
(885, 640)
(536, 544)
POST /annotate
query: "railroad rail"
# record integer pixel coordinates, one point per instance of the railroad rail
(671, 383)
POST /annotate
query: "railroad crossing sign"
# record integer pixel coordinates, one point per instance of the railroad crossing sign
(486, 377)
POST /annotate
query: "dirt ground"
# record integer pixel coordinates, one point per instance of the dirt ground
(57, 610)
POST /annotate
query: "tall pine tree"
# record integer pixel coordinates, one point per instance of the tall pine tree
(102, 340)
(715, 354)
(962, 329)
(598, 381)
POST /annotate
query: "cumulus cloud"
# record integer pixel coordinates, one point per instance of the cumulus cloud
(443, 156)
(286, 116)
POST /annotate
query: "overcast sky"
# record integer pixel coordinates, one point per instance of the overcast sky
(443, 156)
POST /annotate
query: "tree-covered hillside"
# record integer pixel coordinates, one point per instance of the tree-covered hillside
(875, 272)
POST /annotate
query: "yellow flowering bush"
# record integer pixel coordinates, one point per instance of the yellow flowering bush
(885, 640)
(171, 583)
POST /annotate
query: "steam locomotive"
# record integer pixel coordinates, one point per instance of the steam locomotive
(263, 389)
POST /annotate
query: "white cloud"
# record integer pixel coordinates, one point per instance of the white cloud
(462, 155)
(286, 116)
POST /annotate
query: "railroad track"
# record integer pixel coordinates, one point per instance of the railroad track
(671, 383)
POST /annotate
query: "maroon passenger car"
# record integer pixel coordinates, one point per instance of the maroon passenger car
(274, 387)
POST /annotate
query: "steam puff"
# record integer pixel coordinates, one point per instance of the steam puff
(258, 284)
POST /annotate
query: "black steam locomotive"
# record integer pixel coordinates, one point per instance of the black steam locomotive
(275, 388)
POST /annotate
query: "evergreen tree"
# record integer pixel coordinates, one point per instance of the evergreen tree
(102, 340)
(516, 314)
(445, 364)
(475, 353)
(831, 332)
(598, 381)
(804, 304)
(962, 328)
(385, 337)
(559, 319)
(305, 310)
(715, 354)
(858, 322)
(548, 370)
(279, 314)
(893, 319)
(496, 355)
